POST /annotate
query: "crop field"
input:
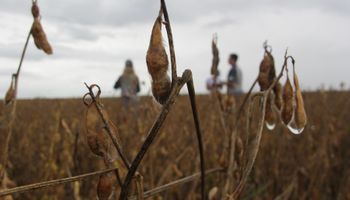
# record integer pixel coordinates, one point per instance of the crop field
(312, 165)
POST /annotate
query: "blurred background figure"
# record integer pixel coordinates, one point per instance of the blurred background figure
(234, 78)
(214, 83)
(129, 84)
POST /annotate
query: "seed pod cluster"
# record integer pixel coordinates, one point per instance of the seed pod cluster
(105, 186)
(267, 71)
(157, 64)
(38, 33)
(288, 102)
(299, 113)
(216, 59)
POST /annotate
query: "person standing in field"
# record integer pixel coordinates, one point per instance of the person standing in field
(214, 83)
(129, 84)
(234, 78)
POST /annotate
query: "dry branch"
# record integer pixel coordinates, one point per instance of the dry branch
(155, 191)
(106, 122)
(154, 131)
(52, 183)
(171, 42)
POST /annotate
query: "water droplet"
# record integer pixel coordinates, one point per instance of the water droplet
(295, 130)
(292, 128)
(270, 126)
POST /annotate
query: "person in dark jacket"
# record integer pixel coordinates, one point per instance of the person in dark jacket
(129, 84)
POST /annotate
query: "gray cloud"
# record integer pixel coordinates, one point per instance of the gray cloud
(126, 12)
(92, 39)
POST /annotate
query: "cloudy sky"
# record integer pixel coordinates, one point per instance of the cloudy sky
(93, 38)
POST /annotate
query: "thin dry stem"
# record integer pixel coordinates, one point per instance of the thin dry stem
(107, 125)
(171, 42)
(155, 191)
(153, 133)
(185, 79)
(13, 111)
(52, 183)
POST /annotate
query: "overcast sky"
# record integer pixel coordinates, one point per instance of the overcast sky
(93, 38)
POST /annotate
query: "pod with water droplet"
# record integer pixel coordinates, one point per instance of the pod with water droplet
(270, 115)
(300, 117)
(288, 102)
(158, 64)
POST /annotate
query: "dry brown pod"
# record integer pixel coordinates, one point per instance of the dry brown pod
(213, 193)
(278, 95)
(299, 113)
(267, 71)
(10, 95)
(216, 59)
(288, 102)
(11, 92)
(40, 38)
(97, 142)
(270, 115)
(239, 151)
(177, 171)
(105, 186)
(35, 10)
(157, 64)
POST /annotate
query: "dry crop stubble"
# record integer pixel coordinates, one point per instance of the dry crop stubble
(279, 155)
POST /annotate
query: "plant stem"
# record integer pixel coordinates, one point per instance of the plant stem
(52, 183)
(13, 111)
(153, 133)
(257, 139)
(107, 125)
(171, 43)
(153, 192)
(192, 95)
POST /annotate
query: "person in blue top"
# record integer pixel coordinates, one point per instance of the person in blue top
(234, 78)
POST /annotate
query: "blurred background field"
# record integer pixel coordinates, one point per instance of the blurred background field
(312, 165)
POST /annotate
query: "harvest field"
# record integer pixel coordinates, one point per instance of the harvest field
(313, 165)
(277, 141)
